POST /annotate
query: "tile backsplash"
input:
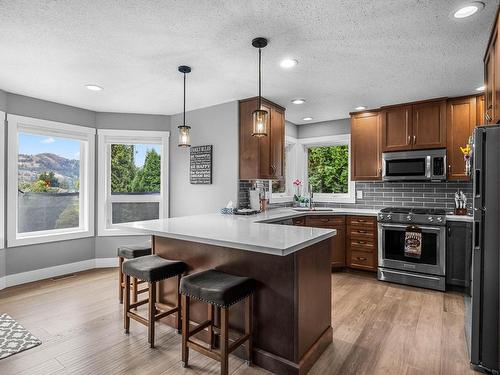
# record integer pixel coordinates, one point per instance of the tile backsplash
(384, 194)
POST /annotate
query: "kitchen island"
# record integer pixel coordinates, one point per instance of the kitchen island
(291, 265)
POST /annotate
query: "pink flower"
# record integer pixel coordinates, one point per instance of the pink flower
(297, 182)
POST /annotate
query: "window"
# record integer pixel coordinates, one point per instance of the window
(325, 166)
(133, 171)
(51, 181)
(282, 190)
(2, 179)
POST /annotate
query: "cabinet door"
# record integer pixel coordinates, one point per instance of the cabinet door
(429, 125)
(277, 143)
(249, 146)
(338, 247)
(365, 147)
(461, 120)
(480, 106)
(396, 128)
(489, 78)
(458, 253)
(265, 147)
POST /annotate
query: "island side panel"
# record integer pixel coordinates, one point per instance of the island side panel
(274, 301)
(314, 301)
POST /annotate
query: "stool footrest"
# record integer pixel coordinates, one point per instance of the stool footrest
(139, 303)
(238, 342)
(167, 313)
(137, 318)
(200, 327)
(205, 351)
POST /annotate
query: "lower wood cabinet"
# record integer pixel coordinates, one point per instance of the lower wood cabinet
(355, 244)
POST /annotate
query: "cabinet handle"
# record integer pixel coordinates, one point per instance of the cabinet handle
(449, 168)
(361, 242)
(361, 258)
(414, 139)
(409, 140)
(324, 220)
(361, 231)
(361, 220)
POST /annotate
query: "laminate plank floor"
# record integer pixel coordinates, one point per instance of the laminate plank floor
(378, 328)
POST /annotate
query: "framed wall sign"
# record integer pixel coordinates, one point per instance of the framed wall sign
(200, 165)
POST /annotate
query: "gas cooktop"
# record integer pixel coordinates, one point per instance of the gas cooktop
(436, 216)
(413, 210)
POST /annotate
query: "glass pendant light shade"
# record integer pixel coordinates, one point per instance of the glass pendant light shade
(184, 137)
(260, 118)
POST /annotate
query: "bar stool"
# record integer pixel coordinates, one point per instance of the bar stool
(131, 252)
(221, 290)
(152, 269)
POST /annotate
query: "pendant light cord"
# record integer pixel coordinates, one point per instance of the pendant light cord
(184, 108)
(260, 90)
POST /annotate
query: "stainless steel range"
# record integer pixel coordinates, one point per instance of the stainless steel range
(425, 269)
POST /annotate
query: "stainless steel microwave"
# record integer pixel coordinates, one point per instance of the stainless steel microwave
(421, 165)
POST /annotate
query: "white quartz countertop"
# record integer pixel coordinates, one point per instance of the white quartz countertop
(251, 233)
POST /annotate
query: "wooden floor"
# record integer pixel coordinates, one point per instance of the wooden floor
(378, 328)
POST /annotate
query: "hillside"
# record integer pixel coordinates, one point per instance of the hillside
(30, 166)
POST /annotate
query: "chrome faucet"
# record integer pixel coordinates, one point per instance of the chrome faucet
(311, 195)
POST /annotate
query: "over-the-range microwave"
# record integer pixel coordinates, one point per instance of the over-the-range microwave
(421, 165)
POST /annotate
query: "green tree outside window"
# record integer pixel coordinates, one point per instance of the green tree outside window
(328, 169)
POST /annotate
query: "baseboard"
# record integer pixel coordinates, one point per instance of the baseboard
(64, 269)
(106, 262)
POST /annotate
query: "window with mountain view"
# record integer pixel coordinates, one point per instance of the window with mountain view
(50, 181)
(132, 167)
(48, 172)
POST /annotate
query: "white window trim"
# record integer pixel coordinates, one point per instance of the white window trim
(15, 124)
(340, 139)
(292, 174)
(105, 138)
(2, 179)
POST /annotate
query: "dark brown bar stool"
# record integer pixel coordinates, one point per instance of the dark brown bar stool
(220, 290)
(131, 252)
(152, 269)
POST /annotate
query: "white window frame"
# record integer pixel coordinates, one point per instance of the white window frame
(2, 179)
(107, 137)
(86, 135)
(291, 174)
(333, 140)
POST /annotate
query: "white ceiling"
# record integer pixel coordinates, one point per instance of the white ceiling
(350, 52)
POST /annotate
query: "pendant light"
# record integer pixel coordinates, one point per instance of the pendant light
(184, 137)
(260, 116)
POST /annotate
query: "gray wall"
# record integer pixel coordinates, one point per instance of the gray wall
(217, 126)
(291, 129)
(131, 121)
(3, 100)
(320, 129)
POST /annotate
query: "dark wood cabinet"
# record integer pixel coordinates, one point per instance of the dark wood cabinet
(361, 243)
(461, 121)
(338, 241)
(480, 106)
(458, 253)
(396, 128)
(261, 158)
(492, 77)
(415, 126)
(365, 146)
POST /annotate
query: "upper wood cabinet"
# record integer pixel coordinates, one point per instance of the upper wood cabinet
(492, 77)
(414, 127)
(480, 107)
(262, 158)
(365, 146)
(461, 121)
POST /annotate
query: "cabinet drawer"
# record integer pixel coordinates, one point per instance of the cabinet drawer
(363, 245)
(299, 221)
(322, 221)
(363, 260)
(362, 233)
(362, 221)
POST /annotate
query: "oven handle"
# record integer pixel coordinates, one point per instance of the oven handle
(404, 226)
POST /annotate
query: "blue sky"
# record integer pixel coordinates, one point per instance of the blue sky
(32, 144)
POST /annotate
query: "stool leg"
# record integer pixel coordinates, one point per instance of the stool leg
(120, 279)
(135, 287)
(211, 326)
(185, 330)
(179, 304)
(152, 313)
(224, 338)
(248, 327)
(126, 304)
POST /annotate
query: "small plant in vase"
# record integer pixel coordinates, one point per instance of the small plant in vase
(467, 152)
(297, 197)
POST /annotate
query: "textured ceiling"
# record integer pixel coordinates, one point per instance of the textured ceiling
(350, 52)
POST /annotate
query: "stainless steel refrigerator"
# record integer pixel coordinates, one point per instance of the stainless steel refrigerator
(482, 300)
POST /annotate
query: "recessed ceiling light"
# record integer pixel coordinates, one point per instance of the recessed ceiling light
(298, 101)
(288, 63)
(468, 10)
(360, 108)
(307, 119)
(94, 87)
(481, 88)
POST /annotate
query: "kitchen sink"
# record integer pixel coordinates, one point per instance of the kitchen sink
(301, 209)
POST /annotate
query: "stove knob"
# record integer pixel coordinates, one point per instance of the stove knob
(389, 217)
(381, 217)
(430, 218)
(440, 219)
(409, 218)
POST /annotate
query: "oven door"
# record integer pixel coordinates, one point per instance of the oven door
(391, 254)
(406, 166)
